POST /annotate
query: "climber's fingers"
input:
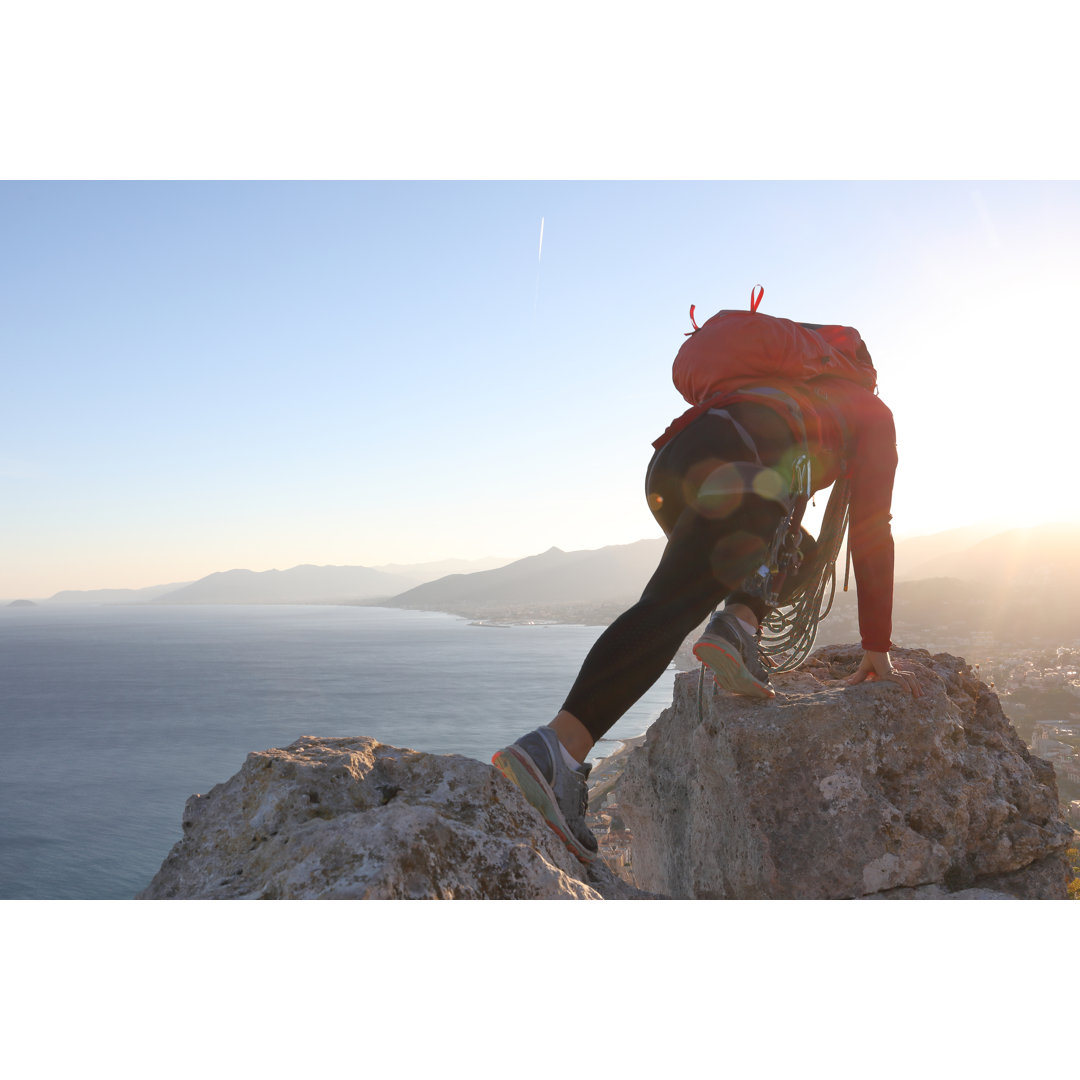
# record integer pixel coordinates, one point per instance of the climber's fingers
(878, 667)
(909, 680)
(910, 675)
(906, 679)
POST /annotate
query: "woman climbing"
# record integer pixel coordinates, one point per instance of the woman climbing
(779, 409)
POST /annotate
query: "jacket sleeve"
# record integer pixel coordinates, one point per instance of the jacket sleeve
(872, 464)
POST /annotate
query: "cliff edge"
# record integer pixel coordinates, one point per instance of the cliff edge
(824, 792)
(830, 791)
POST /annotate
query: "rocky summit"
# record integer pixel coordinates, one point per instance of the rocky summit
(824, 792)
(355, 819)
(829, 791)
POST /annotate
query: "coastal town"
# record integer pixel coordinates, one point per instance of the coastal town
(1040, 693)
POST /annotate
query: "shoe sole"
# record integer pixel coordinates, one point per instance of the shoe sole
(520, 770)
(729, 671)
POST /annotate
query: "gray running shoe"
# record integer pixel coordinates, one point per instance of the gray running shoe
(731, 654)
(535, 763)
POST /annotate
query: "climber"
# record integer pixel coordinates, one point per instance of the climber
(720, 484)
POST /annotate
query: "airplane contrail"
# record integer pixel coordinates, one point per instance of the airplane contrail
(539, 255)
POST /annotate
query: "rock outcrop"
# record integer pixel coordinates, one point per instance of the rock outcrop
(829, 792)
(823, 792)
(353, 818)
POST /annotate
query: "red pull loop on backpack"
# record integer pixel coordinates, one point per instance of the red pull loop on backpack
(690, 333)
(760, 290)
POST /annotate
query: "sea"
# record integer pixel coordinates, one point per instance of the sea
(112, 716)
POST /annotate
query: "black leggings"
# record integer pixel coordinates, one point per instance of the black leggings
(714, 542)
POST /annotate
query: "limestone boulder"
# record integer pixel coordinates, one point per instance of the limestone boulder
(353, 818)
(831, 791)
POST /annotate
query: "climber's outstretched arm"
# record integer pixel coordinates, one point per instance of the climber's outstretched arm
(878, 666)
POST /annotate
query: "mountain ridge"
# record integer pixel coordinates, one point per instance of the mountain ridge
(601, 575)
(403, 575)
(299, 584)
(114, 596)
(1014, 566)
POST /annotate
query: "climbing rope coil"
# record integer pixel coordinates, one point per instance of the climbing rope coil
(788, 633)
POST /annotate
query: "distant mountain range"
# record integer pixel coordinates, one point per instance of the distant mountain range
(114, 596)
(1022, 586)
(299, 585)
(920, 556)
(1039, 555)
(1020, 580)
(555, 577)
(429, 571)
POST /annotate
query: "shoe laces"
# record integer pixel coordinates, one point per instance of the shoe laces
(583, 793)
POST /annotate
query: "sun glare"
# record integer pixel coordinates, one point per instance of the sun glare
(985, 403)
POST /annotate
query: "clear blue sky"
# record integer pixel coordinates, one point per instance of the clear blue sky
(200, 376)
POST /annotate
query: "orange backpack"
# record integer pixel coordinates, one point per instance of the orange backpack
(736, 349)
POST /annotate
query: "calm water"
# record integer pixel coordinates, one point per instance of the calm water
(112, 716)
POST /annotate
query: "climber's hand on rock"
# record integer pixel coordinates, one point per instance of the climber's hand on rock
(878, 667)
